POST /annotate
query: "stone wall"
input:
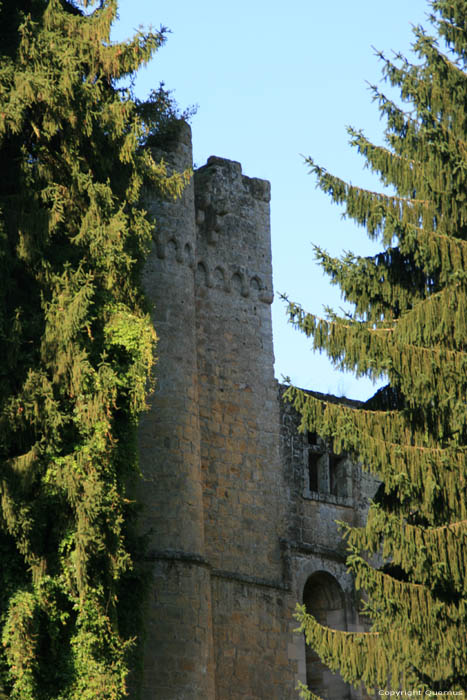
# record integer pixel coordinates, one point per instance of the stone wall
(178, 658)
(239, 506)
(317, 550)
(239, 419)
(239, 413)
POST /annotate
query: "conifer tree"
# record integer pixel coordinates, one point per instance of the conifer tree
(408, 325)
(76, 340)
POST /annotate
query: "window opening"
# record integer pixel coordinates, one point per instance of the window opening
(327, 474)
(313, 467)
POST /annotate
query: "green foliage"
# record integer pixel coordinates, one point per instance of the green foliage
(408, 325)
(305, 693)
(76, 338)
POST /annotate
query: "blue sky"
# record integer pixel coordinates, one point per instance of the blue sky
(274, 80)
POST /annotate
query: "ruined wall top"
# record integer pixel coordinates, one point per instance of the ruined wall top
(230, 172)
(219, 227)
(233, 229)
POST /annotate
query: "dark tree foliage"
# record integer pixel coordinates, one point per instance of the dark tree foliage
(76, 341)
(409, 325)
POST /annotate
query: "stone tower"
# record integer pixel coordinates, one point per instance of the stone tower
(178, 615)
(238, 535)
(239, 419)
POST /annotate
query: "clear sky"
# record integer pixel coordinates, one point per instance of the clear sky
(274, 80)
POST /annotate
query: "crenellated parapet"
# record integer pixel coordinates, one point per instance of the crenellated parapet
(220, 183)
(233, 236)
(226, 201)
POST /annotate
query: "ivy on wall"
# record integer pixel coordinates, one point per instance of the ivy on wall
(77, 342)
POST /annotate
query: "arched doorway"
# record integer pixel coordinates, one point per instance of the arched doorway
(324, 599)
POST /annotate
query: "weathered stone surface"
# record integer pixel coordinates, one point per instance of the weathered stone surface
(240, 507)
(178, 654)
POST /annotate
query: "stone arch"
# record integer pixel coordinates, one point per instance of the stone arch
(201, 274)
(188, 252)
(219, 277)
(324, 599)
(239, 283)
(255, 284)
(174, 249)
(236, 282)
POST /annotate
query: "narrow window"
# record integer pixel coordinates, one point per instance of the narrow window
(338, 476)
(313, 470)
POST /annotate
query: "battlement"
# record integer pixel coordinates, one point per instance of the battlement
(233, 237)
(230, 251)
(230, 172)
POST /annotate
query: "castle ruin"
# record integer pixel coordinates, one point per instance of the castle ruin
(240, 506)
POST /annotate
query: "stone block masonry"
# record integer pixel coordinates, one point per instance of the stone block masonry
(234, 533)
(237, 394)
(178, 655)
